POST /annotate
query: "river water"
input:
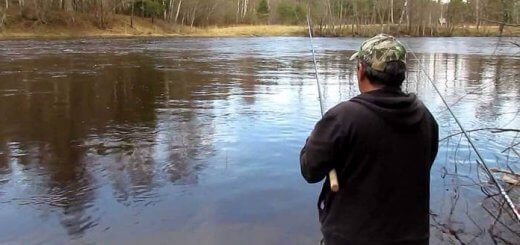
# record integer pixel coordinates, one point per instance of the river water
(196, 140)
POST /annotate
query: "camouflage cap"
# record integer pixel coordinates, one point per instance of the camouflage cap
(380, 49)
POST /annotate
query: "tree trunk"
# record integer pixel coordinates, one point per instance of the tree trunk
(392, 11)
(193, 16)
(67, 6)
(504, 17)
(238, 11)
(430, 22)
(341, 14)
(401, 18)
(6, 4)
(178, 11)
(2, 19)
(170, 10)
(408, 16)
(477, 9)
(373, 17)
(244, 8)
(380, 14)
(132, 15)
(102, 14)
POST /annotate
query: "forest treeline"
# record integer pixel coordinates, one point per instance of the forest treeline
(330, 17)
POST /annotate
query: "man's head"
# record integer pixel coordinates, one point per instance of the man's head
(381, 63)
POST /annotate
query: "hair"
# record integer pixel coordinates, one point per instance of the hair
(393, 75)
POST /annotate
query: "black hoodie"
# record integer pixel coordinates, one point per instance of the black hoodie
(382, 144)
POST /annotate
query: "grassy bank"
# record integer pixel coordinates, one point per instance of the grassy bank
(121, 26)
(153, 30)
(63, 26)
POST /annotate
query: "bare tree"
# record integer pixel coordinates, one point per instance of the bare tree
(67, 6)
(178, 10)
(334, 17)
(2, 18)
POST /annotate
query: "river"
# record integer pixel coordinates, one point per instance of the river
(196, 140)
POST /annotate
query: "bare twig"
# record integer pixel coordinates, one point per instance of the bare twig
(496, 170)
(497, 220)
(468, 93)
(493, 130)
(510, 147)
(515, 151)
(512, 119)
(501, 23)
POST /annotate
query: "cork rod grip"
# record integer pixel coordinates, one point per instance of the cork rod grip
(333, 179)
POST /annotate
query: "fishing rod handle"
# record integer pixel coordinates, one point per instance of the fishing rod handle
(333, 180)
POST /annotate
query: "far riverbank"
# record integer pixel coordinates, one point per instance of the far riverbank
(121, 26)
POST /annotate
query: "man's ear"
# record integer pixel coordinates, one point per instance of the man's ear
(361, 71)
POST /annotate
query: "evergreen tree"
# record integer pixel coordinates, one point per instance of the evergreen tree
(263, 9)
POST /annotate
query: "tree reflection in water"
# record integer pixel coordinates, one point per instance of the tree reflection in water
(191, 136)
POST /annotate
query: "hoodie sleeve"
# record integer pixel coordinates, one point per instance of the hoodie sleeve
(318, 155)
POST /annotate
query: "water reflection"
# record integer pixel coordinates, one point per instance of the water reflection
(97, 129)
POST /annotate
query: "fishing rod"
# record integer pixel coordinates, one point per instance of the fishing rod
(482, 162)
(333, 176)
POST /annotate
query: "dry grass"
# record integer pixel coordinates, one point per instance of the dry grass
(142, 28)
(250, 30)
(485, 31)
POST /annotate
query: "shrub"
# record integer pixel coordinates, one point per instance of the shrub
(263, 9)
(148, 8)
(290, 12)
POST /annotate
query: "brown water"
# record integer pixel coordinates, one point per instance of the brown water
(196, 141)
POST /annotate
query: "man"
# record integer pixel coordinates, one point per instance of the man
(382, 144)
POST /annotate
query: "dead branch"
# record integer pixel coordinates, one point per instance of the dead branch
(446, 229)
(496, 170)
(515, 151)
(501, 23)
(492, 130)
(496, 218)
(511, 147)
(468, 93)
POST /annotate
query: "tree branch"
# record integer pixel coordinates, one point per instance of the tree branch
(496, 170)
(493, 130)
(501, 23)
(516, 44)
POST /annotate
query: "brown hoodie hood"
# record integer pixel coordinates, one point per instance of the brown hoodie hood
(394, 106)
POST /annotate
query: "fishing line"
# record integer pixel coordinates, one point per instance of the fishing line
(482, 162)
